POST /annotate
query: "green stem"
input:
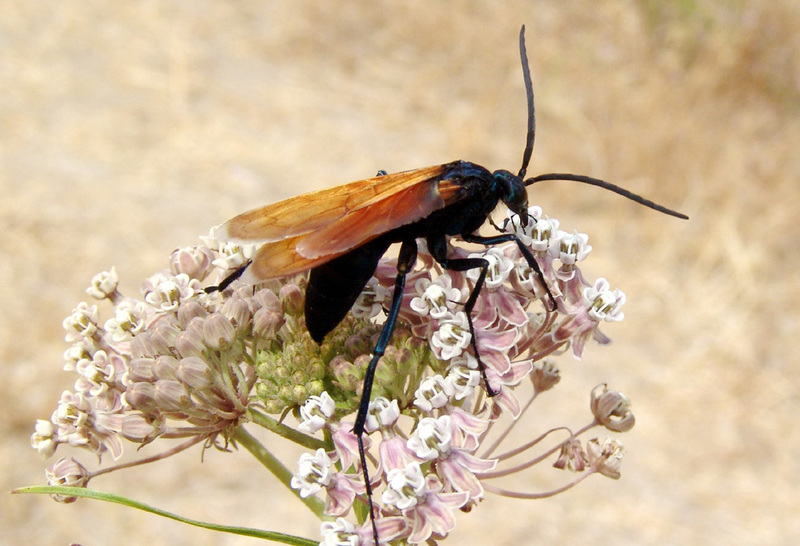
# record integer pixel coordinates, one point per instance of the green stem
(266, 458)
(289, 433)
(119, 499)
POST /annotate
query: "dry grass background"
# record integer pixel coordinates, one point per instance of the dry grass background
(127, 129)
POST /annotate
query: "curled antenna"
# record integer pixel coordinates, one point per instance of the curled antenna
(526, 74)
(608, 186)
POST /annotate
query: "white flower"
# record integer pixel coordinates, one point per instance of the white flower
(405, 486)
(316, 412)
(314, 472)
(434, 392)
(452, 337)
(432, 437)
(602, 303)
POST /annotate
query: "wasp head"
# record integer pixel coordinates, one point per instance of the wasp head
(512, 192)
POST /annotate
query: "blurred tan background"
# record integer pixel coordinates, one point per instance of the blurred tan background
(127, 129)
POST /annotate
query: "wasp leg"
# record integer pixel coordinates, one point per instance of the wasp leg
(405, 262)
(526, 253)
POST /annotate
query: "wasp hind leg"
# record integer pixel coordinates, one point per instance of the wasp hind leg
(405, 262)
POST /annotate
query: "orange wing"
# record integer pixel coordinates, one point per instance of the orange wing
(303, 232)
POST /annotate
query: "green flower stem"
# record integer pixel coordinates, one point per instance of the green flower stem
(244, 438)
(119, 499)
(289, 433)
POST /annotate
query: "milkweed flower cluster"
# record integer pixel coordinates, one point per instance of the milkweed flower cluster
(179, 362)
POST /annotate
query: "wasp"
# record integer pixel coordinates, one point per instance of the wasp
(339, 234)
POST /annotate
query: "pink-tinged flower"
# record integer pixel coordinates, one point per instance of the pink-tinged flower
(316, 412)
(506, 399)
(101, 373)
(68, 473)
(612, 409)
(237, 310)
(141, 428)
(433, 440)
(268, 316)
(166, 293)
(90, 422)
(341, 491)
(599, 303)
(343, 533)
(104, 285)
(452, 337)
(394, 452)
(501, 306)
(545, 375)
(467, 429)
(605, 457)
(434, 392)
(425, 507)
(82, 323)
(572, 456)
(194, 261)
(346, 445)
(194, 372)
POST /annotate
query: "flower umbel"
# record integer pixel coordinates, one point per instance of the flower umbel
(178, 362)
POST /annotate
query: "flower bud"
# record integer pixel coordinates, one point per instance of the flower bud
(163, 337)
(292, 298)
(218, 332)
(348, 375)
(189, 310)
(238, 312)
(164, 367)
(190, 343)
(172, 395)
(141, 369)
(194, 372)
(141, 396)
(142, 345)
(267, 322)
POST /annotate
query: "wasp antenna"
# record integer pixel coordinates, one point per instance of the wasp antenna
(526, 74)
(608, 186)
